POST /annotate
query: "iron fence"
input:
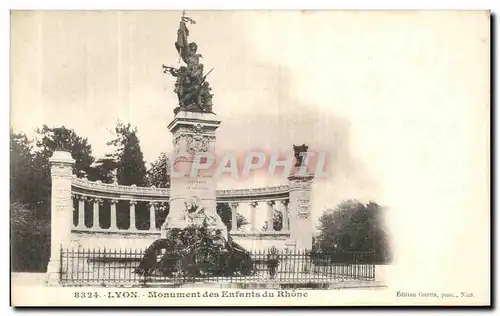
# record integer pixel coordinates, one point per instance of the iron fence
(115, 267)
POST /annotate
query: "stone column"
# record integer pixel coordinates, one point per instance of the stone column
(234, 217)
(95, 214)
(253, 206)
(61, 164)
(300, 210)
(81, 212)
(284, 215)
(152, 215)
(132, 215)
(112, 207)
(270, 213)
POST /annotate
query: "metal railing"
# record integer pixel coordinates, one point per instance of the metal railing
(118, 267)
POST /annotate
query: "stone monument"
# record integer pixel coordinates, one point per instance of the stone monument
(192, 198)
(61, 164)
(194, 240)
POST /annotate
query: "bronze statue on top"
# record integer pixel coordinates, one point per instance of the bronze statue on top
(62, 138)
(297, 153)
(191, 86)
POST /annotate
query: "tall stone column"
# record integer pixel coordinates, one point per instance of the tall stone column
(132, 215)
(301, 230)
(234, 217)
(253, 209)
(61, 164)
(112, 208)
(270, 215)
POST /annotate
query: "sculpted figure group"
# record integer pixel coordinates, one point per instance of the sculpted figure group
(191, 87)
(194, 214)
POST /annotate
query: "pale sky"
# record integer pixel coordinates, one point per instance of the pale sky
(399, 100)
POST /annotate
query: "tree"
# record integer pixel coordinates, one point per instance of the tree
(224, 211)
(158, 175)
(353, 226)
(49, 140)
(81, 150)
(22, 187)
(30, 239)
(131, 168)
(277, 221)
(103, 170)
(31, 190)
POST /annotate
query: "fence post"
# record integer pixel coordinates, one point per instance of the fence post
(61, 210)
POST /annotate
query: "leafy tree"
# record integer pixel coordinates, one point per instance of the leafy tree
(30, 239)
(277, 221)
(22, 187)
(353, 226)
(158, 175)
(52, 138)
(30, 169)
(224, 211)
(31, 189)
(103, 170)
(131, 168)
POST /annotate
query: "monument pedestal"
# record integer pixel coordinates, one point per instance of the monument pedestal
(53, 274)
(193, 134)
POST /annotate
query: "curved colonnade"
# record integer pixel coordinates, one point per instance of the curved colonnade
(97, 194)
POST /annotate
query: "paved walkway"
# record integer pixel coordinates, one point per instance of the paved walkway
(36, 279)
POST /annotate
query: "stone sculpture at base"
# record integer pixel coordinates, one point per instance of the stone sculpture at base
(194, 214)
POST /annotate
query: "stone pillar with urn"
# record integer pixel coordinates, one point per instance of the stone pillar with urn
(61, 210)
(301, 230)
